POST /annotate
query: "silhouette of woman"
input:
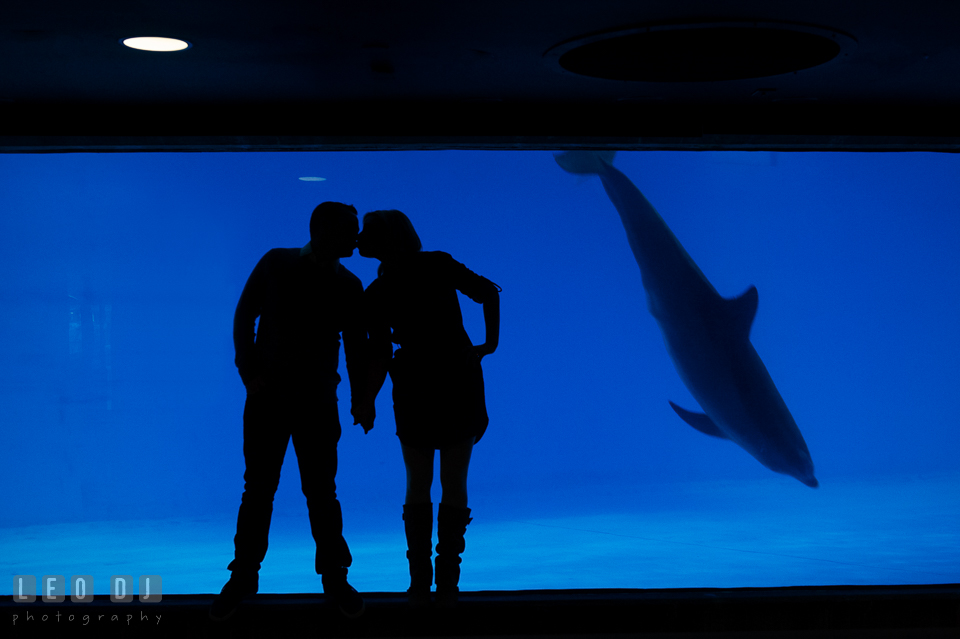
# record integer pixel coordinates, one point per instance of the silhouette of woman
(438, 395)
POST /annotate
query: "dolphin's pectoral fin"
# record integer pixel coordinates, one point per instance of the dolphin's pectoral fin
(699, 421)
(742, 309)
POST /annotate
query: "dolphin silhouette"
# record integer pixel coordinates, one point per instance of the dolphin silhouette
(707, 336)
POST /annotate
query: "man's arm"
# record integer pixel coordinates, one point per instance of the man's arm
(364, 404)
(356, 352)
(244, 321)
(379, 353)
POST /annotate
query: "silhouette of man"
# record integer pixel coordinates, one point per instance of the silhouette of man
(305, 299)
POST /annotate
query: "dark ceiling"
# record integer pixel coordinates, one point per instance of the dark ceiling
(791, 74)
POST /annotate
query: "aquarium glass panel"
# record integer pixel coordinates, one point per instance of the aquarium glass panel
(649, 409)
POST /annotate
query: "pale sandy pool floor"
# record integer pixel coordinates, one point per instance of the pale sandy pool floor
(769, 534)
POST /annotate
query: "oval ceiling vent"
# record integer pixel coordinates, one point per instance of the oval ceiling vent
(702, 52)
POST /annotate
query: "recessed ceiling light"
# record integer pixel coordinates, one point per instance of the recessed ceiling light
(313, 179)
(700, 52)
(156, 44)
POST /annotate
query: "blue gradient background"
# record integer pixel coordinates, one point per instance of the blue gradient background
(119, 399)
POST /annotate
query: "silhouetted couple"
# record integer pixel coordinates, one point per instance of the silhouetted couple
(305, 300)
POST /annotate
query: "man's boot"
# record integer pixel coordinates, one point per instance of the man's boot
(239, 587)
(345, 596)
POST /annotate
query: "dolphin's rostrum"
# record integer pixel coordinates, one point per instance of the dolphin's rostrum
(707, 336)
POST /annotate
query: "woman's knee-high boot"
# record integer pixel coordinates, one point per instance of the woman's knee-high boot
(451, 527)
(418, 526)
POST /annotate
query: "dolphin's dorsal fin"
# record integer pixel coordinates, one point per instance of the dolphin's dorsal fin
(699, 421)
(742, 309)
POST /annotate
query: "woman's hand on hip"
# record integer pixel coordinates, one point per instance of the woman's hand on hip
(482, 350)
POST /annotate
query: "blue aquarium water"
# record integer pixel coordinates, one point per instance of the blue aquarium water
(121, 408)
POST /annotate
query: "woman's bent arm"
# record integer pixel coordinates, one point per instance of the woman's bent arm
(491, 319)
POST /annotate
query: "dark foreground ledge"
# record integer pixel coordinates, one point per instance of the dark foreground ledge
(879, 611)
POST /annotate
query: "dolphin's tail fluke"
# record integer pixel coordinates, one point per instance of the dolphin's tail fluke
(584, 162)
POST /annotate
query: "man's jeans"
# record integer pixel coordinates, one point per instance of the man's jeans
(270, 418)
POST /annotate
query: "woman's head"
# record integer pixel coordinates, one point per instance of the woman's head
(387, 234)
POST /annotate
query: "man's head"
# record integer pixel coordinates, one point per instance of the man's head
(333, 230)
